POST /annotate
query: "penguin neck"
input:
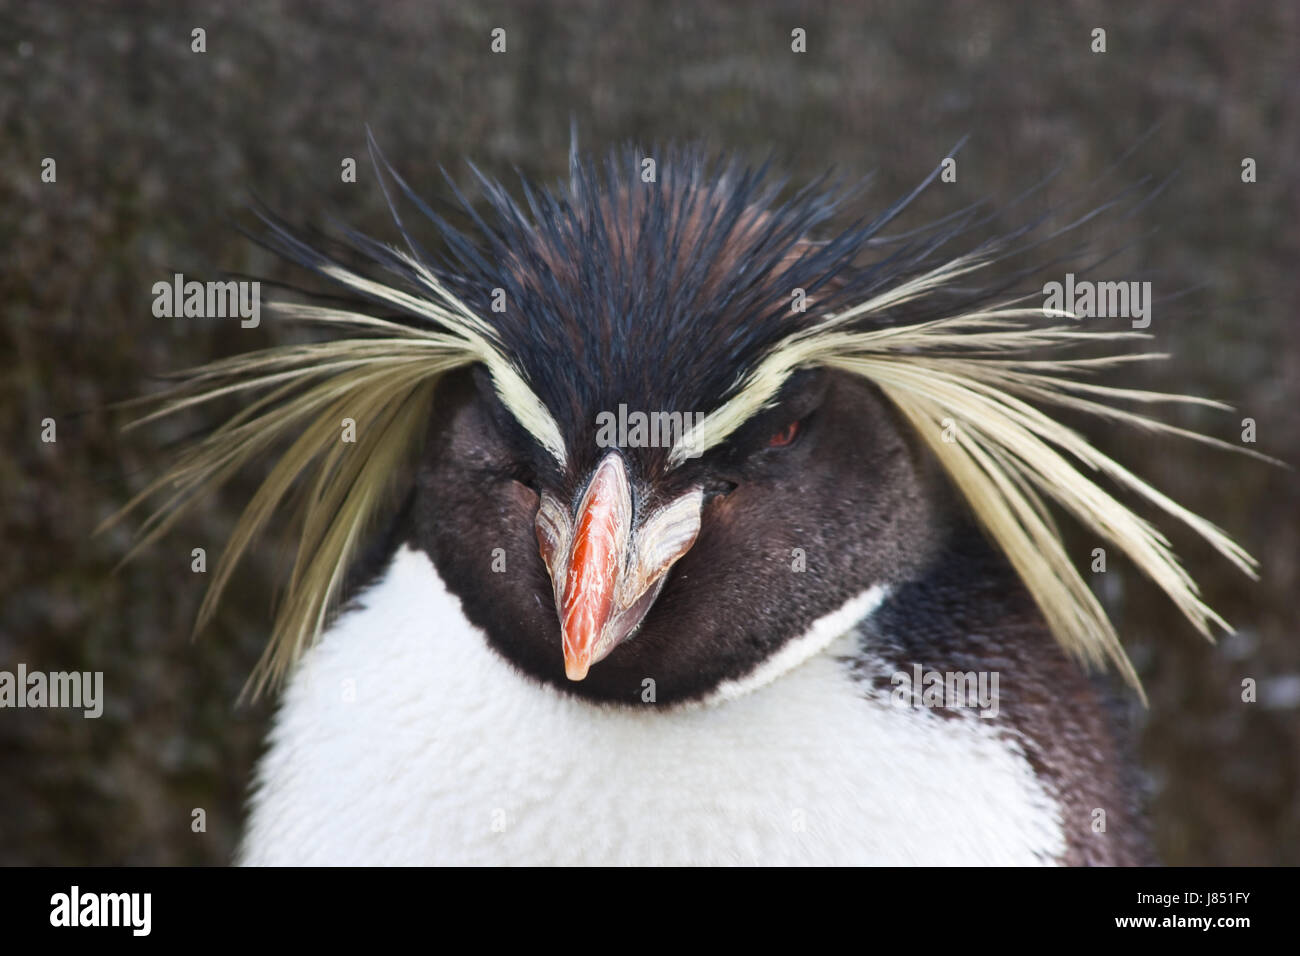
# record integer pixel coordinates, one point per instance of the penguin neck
(441, 732)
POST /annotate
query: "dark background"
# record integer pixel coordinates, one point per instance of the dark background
(159, 148)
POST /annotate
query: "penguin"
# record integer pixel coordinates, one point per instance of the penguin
(682, 527)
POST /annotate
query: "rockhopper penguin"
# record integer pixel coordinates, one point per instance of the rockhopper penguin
(680, 528)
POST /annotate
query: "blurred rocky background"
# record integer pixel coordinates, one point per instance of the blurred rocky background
(159, 149)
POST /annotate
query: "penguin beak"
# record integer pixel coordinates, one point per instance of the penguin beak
(605, 574)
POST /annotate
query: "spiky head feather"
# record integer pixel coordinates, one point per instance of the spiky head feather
(605, 275)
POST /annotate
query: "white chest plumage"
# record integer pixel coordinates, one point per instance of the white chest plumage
(404, 739)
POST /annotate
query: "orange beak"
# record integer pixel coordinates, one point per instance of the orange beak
(596, 559)
(605, 579)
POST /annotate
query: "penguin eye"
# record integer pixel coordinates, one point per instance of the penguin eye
(785, 436)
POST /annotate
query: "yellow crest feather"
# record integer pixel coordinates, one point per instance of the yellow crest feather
(1005, 455)
(383, 381)
(971, 374)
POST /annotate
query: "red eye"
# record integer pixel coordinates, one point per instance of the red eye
(784, 437)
